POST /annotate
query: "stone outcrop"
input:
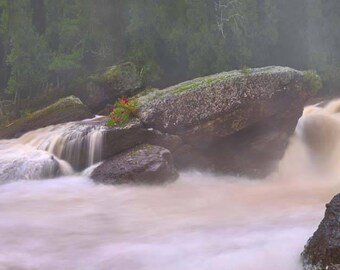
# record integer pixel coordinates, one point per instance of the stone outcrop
(233, 122)
(145, 164)
(121, 138)
(323, 249)
(64, 110)
(106, 87)
(236, 122)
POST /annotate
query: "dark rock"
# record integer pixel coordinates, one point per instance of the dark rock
(334, 267)
(237, 122)
(107, 110)
(323, 249)
(170, 142)
(116, 81)
(121, 138)
(65, 110)
(146, 164)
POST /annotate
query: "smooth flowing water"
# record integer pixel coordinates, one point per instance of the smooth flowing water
(199, 222)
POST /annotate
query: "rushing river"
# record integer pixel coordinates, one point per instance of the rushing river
(200, 222)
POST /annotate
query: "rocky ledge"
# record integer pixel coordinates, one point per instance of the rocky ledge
(234, 122)
(323, 248)
(64, 110)
(145, 164)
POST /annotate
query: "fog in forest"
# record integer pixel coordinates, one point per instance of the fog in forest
(50, 49)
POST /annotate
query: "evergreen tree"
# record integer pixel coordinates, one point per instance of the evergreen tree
(28, 57)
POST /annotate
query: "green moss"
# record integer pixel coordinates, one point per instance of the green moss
(246, 71)
(114, 72)
(61, 104)
(188, 86)
(137, 150)
(314, 80)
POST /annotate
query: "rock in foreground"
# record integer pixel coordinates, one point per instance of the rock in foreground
(64, 110)
(146, 164)
(323, 249)
(237, 122)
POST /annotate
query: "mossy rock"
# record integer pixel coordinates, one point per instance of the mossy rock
(144, 164)
(125, 74)
(255, 110)
(314, 80)
(64, 110)
(114, 82)
(196, 84)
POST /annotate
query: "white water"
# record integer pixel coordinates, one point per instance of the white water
(200, 222)
(39, 153)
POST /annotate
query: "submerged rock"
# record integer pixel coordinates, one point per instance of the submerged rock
(323, 248)
(236, 122)
(64, 110)
(146, 164)
(28, 165)
(114, 82)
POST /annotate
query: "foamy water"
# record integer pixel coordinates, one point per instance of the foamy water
(200, 222)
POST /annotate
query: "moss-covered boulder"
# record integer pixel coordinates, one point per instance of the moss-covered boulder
(236, 121)
(64, 110)
(114, 82)
(145, 164)
(323, 249)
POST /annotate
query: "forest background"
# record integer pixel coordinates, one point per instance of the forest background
(50, 48)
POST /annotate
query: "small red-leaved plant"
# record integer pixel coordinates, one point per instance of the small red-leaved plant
(123, 110)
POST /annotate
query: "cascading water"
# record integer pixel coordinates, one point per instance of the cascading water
(51, 151)
(201, 221)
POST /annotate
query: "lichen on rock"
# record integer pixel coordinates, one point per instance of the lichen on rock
(314, 80)
(256, 111)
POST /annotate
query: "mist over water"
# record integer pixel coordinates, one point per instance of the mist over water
(202, 221)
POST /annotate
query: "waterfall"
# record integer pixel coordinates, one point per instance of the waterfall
(52, 151)
(202, 221)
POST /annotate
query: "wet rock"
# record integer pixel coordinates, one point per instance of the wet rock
(28, 165)
(116, 81)
(145, 164)
(323, 248)
(64, 110)
(121, 138)
(236, 122)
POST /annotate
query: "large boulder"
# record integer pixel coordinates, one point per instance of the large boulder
(64, 110)
(323, 249)
(234, 122)
(108, 86)
(145, 164)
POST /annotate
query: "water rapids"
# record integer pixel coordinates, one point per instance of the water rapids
(200, 222)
